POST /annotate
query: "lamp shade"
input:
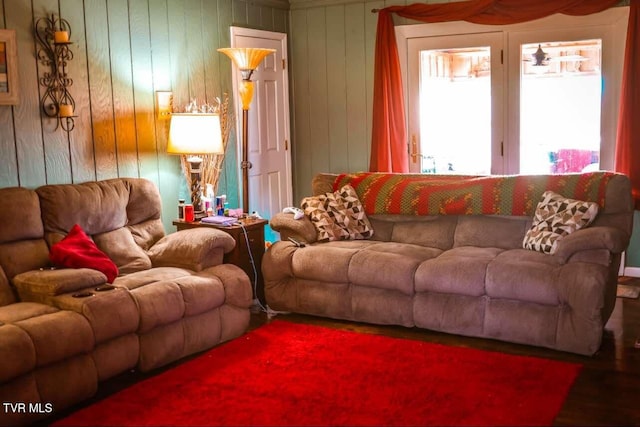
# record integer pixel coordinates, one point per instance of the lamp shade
(195, 133)
(246, 58)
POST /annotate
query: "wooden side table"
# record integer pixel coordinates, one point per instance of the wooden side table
(240, 254)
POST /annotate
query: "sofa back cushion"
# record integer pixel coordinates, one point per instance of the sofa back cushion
(120, 246)
(122, 216)
(448, 231)
(97, 207)
(7, 295)
(433, 231)
(491, 231)
(22, 244)
(143, 212)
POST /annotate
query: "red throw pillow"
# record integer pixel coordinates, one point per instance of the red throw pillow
(77, 250)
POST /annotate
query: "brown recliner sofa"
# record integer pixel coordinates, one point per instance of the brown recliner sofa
(458, 273)
(173, 297)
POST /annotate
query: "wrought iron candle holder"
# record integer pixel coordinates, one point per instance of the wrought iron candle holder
(54, 53)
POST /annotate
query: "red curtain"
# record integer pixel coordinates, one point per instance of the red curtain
(388, 145)
(628, 149)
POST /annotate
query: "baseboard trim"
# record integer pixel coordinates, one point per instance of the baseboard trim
(632, 271)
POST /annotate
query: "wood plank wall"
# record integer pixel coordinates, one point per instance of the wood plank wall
(124, 51)
(332, 72)
(332, 53)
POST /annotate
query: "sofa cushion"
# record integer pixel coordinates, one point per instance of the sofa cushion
(491, 231)
(524, 275)
(389, 265)
(338, 215)
(120, 246)
(144, 201)
(20, 215)
(200, 293)
(157, 274)
(97, 207)
(77, 250)
(58, 336)
(159, 303)
(111, 312)
(24, 310)
(23, 255)
(460, 270)
(17, 353)
(431, 231)
(313, 261)
(555, 217)
(147, 233)
(7, 296)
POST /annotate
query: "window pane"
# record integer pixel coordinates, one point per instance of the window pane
(455, 110)
(560, 99)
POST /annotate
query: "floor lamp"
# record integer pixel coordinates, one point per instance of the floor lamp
(247, 60)
(192, 134)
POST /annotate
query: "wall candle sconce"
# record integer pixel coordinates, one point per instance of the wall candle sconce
(54, 52)
(164, 104)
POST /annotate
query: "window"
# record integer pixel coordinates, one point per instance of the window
(560, 106)
(539, 97)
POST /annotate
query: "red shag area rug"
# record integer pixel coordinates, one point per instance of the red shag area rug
(293, 374)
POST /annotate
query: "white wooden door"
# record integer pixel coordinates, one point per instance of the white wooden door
(270, 183)
(432, 58)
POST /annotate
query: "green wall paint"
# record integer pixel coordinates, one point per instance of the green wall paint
(124, 51)
(633, 251)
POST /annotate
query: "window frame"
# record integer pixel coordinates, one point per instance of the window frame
(609, 25)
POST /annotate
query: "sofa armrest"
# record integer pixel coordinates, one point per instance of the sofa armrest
(40, 285)
(277, 262)
(301, 229)
(237, 285)
(194, 249)
(592, 238)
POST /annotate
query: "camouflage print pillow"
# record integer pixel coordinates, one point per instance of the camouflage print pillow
(338, 216)
(555, 217)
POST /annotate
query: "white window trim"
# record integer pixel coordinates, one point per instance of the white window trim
(609, 25)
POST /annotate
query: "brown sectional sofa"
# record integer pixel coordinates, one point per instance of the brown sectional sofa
(173, 298)
(461, 274)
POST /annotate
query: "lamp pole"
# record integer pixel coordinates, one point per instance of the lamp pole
(247, 60)
(246, 164)
(246, 96)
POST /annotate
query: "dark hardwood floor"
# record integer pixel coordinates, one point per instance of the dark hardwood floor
(607, 391)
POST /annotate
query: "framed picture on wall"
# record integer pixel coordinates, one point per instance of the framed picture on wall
(9, 90)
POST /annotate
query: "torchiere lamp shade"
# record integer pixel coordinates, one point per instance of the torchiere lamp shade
(246, 59)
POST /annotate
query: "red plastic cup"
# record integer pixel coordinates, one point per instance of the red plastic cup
(188, 213)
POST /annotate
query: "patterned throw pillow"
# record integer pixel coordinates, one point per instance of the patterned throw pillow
(555, 217)
(338, 216)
